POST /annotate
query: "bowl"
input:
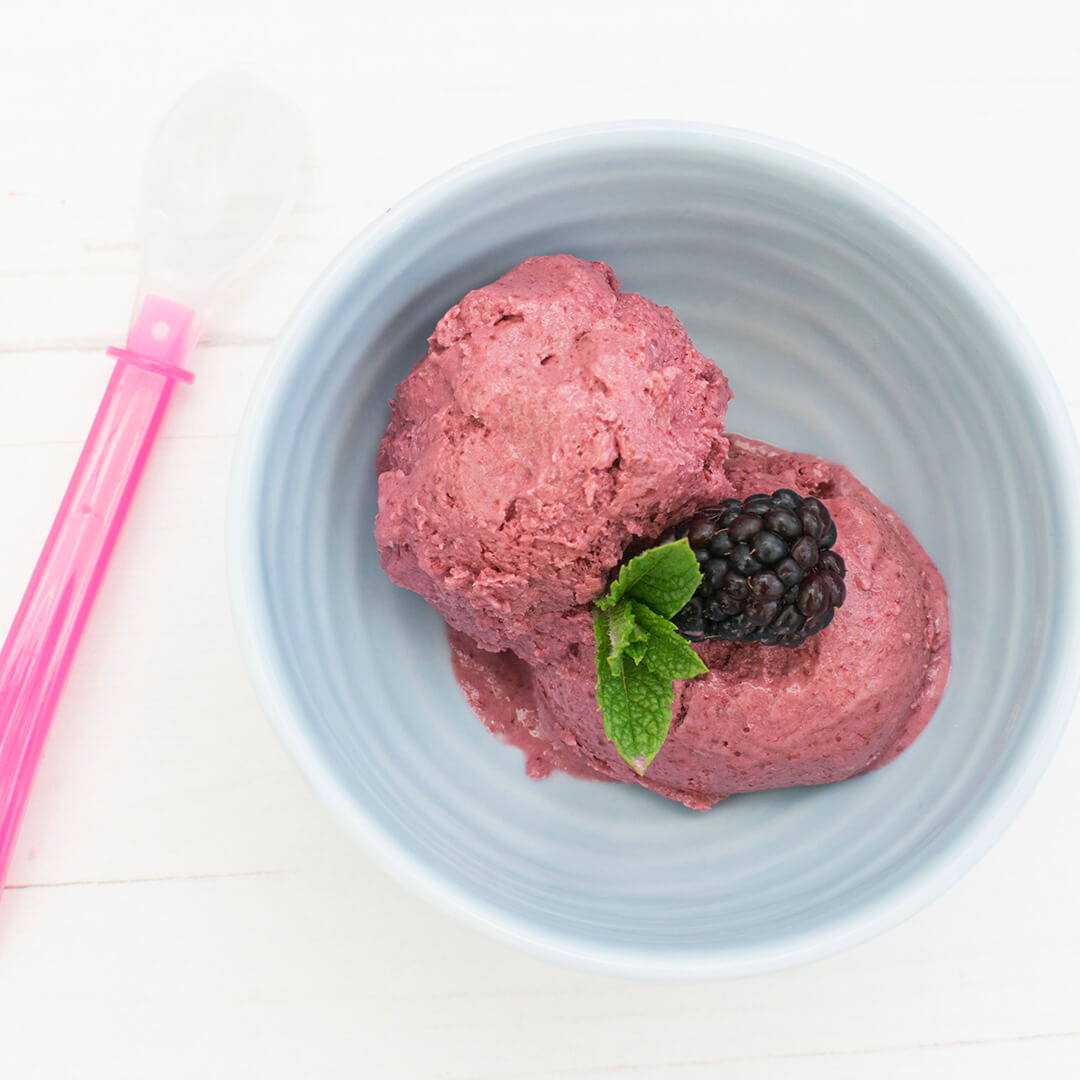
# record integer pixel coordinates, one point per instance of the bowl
(849, 327)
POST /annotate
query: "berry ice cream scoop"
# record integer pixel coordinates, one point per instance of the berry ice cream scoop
(559, 441)
(555, 420)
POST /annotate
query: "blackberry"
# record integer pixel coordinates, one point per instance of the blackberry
(769, 572)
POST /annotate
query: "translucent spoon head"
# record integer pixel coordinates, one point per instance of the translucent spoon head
(222, 170)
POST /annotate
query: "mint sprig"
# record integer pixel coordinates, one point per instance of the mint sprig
(639, 652)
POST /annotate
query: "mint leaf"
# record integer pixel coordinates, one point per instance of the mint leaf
(662, 578)
(668, 653)
(639, 653)
(636, 702)
(626, 636)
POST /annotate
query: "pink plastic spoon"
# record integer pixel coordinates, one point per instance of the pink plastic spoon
(222, 170)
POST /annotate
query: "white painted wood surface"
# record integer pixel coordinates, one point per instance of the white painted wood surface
(180, 904)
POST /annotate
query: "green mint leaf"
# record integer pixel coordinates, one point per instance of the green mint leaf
(668, 654)
(639, 653)
(663, 578)
(635, 701)
(626, 636)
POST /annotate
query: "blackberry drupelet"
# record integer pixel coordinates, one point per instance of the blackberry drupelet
(769, 572)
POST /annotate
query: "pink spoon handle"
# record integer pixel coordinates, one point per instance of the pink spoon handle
(41, 644)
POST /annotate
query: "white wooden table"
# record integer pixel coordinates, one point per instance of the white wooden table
(180, 904)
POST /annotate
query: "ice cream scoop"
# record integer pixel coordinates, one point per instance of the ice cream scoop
(557, 423)
(222, 169)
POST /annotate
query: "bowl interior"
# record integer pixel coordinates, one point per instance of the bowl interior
(844, 331)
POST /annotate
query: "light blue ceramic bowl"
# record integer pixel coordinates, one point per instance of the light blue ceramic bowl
(848, 327)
